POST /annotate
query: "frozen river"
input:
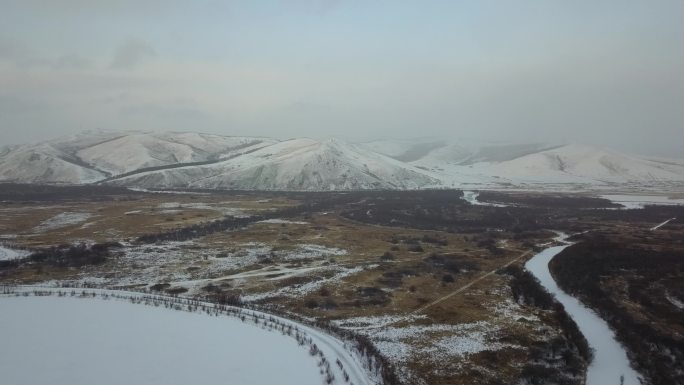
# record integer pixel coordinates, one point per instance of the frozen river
(610, 359)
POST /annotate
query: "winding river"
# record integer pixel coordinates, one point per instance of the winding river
(610, 359)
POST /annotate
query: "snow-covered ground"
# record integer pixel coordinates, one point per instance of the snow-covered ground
(62, 220)
(444, 345)
(639, 201)
(100, 338)
(7, 254)
(610, 359)
(175, 207)
(300, 290)
(283, 222)
(72, 341)
(188, 265)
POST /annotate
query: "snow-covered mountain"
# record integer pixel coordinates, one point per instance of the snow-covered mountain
(192, 160)
(93, 156)
(492, 164)
(585, 165)
(136, 151)
(297, 164)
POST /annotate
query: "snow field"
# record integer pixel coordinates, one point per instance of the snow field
(62, 220)
(191, 347)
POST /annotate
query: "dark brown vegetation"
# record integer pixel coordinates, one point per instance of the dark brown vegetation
(527, 290)
(545, 200)
(64, 256)
(13, 192)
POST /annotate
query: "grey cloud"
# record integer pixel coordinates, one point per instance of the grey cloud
(14, 105)
(72, 61)
(131, 54)
(18, 54)
(164, 112)
(21, 56)
(308, 106)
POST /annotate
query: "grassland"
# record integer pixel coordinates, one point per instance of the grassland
(420, 273)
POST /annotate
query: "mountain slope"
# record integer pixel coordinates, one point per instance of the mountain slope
(92, 156)
(43, 163)
(131, 152)
(298, 164)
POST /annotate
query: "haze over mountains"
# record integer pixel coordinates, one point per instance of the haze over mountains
(194, 160)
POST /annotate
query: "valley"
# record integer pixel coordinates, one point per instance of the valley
(434, 282)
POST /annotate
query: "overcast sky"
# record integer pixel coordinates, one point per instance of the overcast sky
(603, 72)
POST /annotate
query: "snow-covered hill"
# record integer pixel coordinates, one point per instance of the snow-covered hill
(297, 164)
(92, 156)
(192, 160)
(136, 151)
(498, 164)
(581, 164)
(43, 163)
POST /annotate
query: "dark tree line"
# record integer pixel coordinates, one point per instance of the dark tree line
(15, 192)
(546, 200)
(66, 256)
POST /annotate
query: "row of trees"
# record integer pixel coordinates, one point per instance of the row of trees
(66, 256)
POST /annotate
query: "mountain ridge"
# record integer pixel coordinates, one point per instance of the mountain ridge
(197, 160)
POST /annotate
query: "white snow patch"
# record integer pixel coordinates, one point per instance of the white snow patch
(8, 254)
(675, 301)
(283, 221)
(452, 341)
(375, 322)
(176, 207)
(305, 288)
(310, 251)
(640, 201)
(62, 220)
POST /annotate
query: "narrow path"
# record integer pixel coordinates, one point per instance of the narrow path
(654, 228)
(467, 286)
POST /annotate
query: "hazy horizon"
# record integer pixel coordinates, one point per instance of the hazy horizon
(606, 74)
